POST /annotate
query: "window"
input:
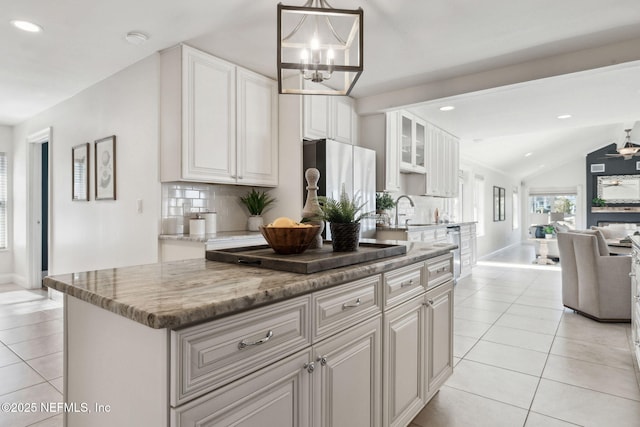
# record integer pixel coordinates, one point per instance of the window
(3, 200)
(515, 206)
(548, 208)
(478, 203)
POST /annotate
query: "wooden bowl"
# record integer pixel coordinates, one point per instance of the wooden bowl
(289, 240)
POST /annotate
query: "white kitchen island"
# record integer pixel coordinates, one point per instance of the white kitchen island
(206, 343)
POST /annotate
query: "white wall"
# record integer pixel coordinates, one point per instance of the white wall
(6, 256)
(499, 234)
(97, 234)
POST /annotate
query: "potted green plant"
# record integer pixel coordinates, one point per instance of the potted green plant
(548, 231)
(343, 216)
(597, 201)
(384, 202)
(256, 202)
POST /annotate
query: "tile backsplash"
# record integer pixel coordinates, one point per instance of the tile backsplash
(183, 200)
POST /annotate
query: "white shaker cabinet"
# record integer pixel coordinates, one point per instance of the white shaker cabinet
(635, 300)
(330, 117)
(405, 362)
(346, 380)
(442, 163)
(218, 121)
(276, 396)
(439, 304)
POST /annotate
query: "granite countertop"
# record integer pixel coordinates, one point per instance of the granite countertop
(215, 237)
(180, 293)
(416, 227)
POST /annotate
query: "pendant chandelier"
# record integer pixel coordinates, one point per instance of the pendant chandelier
(320, 49)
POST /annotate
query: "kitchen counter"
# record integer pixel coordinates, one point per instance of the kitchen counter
(176, 294)
(417, 227)
(215, 237)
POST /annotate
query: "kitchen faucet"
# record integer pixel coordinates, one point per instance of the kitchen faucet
(410, 201)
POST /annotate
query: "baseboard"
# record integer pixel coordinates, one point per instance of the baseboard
(6, 278)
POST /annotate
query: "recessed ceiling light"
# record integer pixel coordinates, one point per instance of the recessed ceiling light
(478, 140)
(528, 154)
(564, 116)
(136, 38)
(26, 26)
(447, 108)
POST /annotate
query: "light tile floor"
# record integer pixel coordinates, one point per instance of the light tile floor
(521, 359)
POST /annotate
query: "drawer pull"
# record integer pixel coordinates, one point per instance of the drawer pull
(441, 270)
(409, 283)
(632, 274)
(351, 305)
(429, 303)
(242, 344)
(636, 297)
(322, 360)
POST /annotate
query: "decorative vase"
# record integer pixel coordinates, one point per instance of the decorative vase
(345, 237)
(312, 208)
(254, 222)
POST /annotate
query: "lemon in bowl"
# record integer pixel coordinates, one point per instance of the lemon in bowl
(286, 236)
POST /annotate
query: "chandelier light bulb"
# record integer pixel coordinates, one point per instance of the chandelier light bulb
(315, 44)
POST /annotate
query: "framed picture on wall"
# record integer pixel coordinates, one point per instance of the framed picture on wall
(502, 204)
(80, 172)
(105, 168)
(496, 203)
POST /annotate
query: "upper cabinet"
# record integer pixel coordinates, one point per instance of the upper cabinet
(412, 140)
(443, 163)
(415, 146)
(330, 117)
(219, 122)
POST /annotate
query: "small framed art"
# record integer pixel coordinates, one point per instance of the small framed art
(80, 172)
(105, 168)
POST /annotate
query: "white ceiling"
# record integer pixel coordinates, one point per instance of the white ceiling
(407, 42)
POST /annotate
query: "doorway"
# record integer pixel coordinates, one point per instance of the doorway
(38, 202)
(44, 189)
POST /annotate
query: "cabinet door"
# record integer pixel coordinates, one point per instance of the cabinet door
(315, 116)
(404, 362)
(276, 396)
(406, 142)
(257, 127)
(342, 119)
(208, 118)
(346, 382)
(420, 144)
(392, 153)
(440, 332)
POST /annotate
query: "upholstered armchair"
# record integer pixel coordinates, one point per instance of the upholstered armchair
(593, 283)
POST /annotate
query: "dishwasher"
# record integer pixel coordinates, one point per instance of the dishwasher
(453, 236)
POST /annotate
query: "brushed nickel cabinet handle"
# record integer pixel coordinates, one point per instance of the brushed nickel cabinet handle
(244, 343)
(409, 283)
(351, 305)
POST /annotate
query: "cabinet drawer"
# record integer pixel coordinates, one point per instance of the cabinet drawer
(343, 306)
(207, 356)
(439, 270)
(403, 284)
(465, 246)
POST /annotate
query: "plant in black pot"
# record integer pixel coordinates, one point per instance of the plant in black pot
(343, 216)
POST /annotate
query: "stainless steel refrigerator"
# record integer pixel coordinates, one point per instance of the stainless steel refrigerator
(343, 166)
